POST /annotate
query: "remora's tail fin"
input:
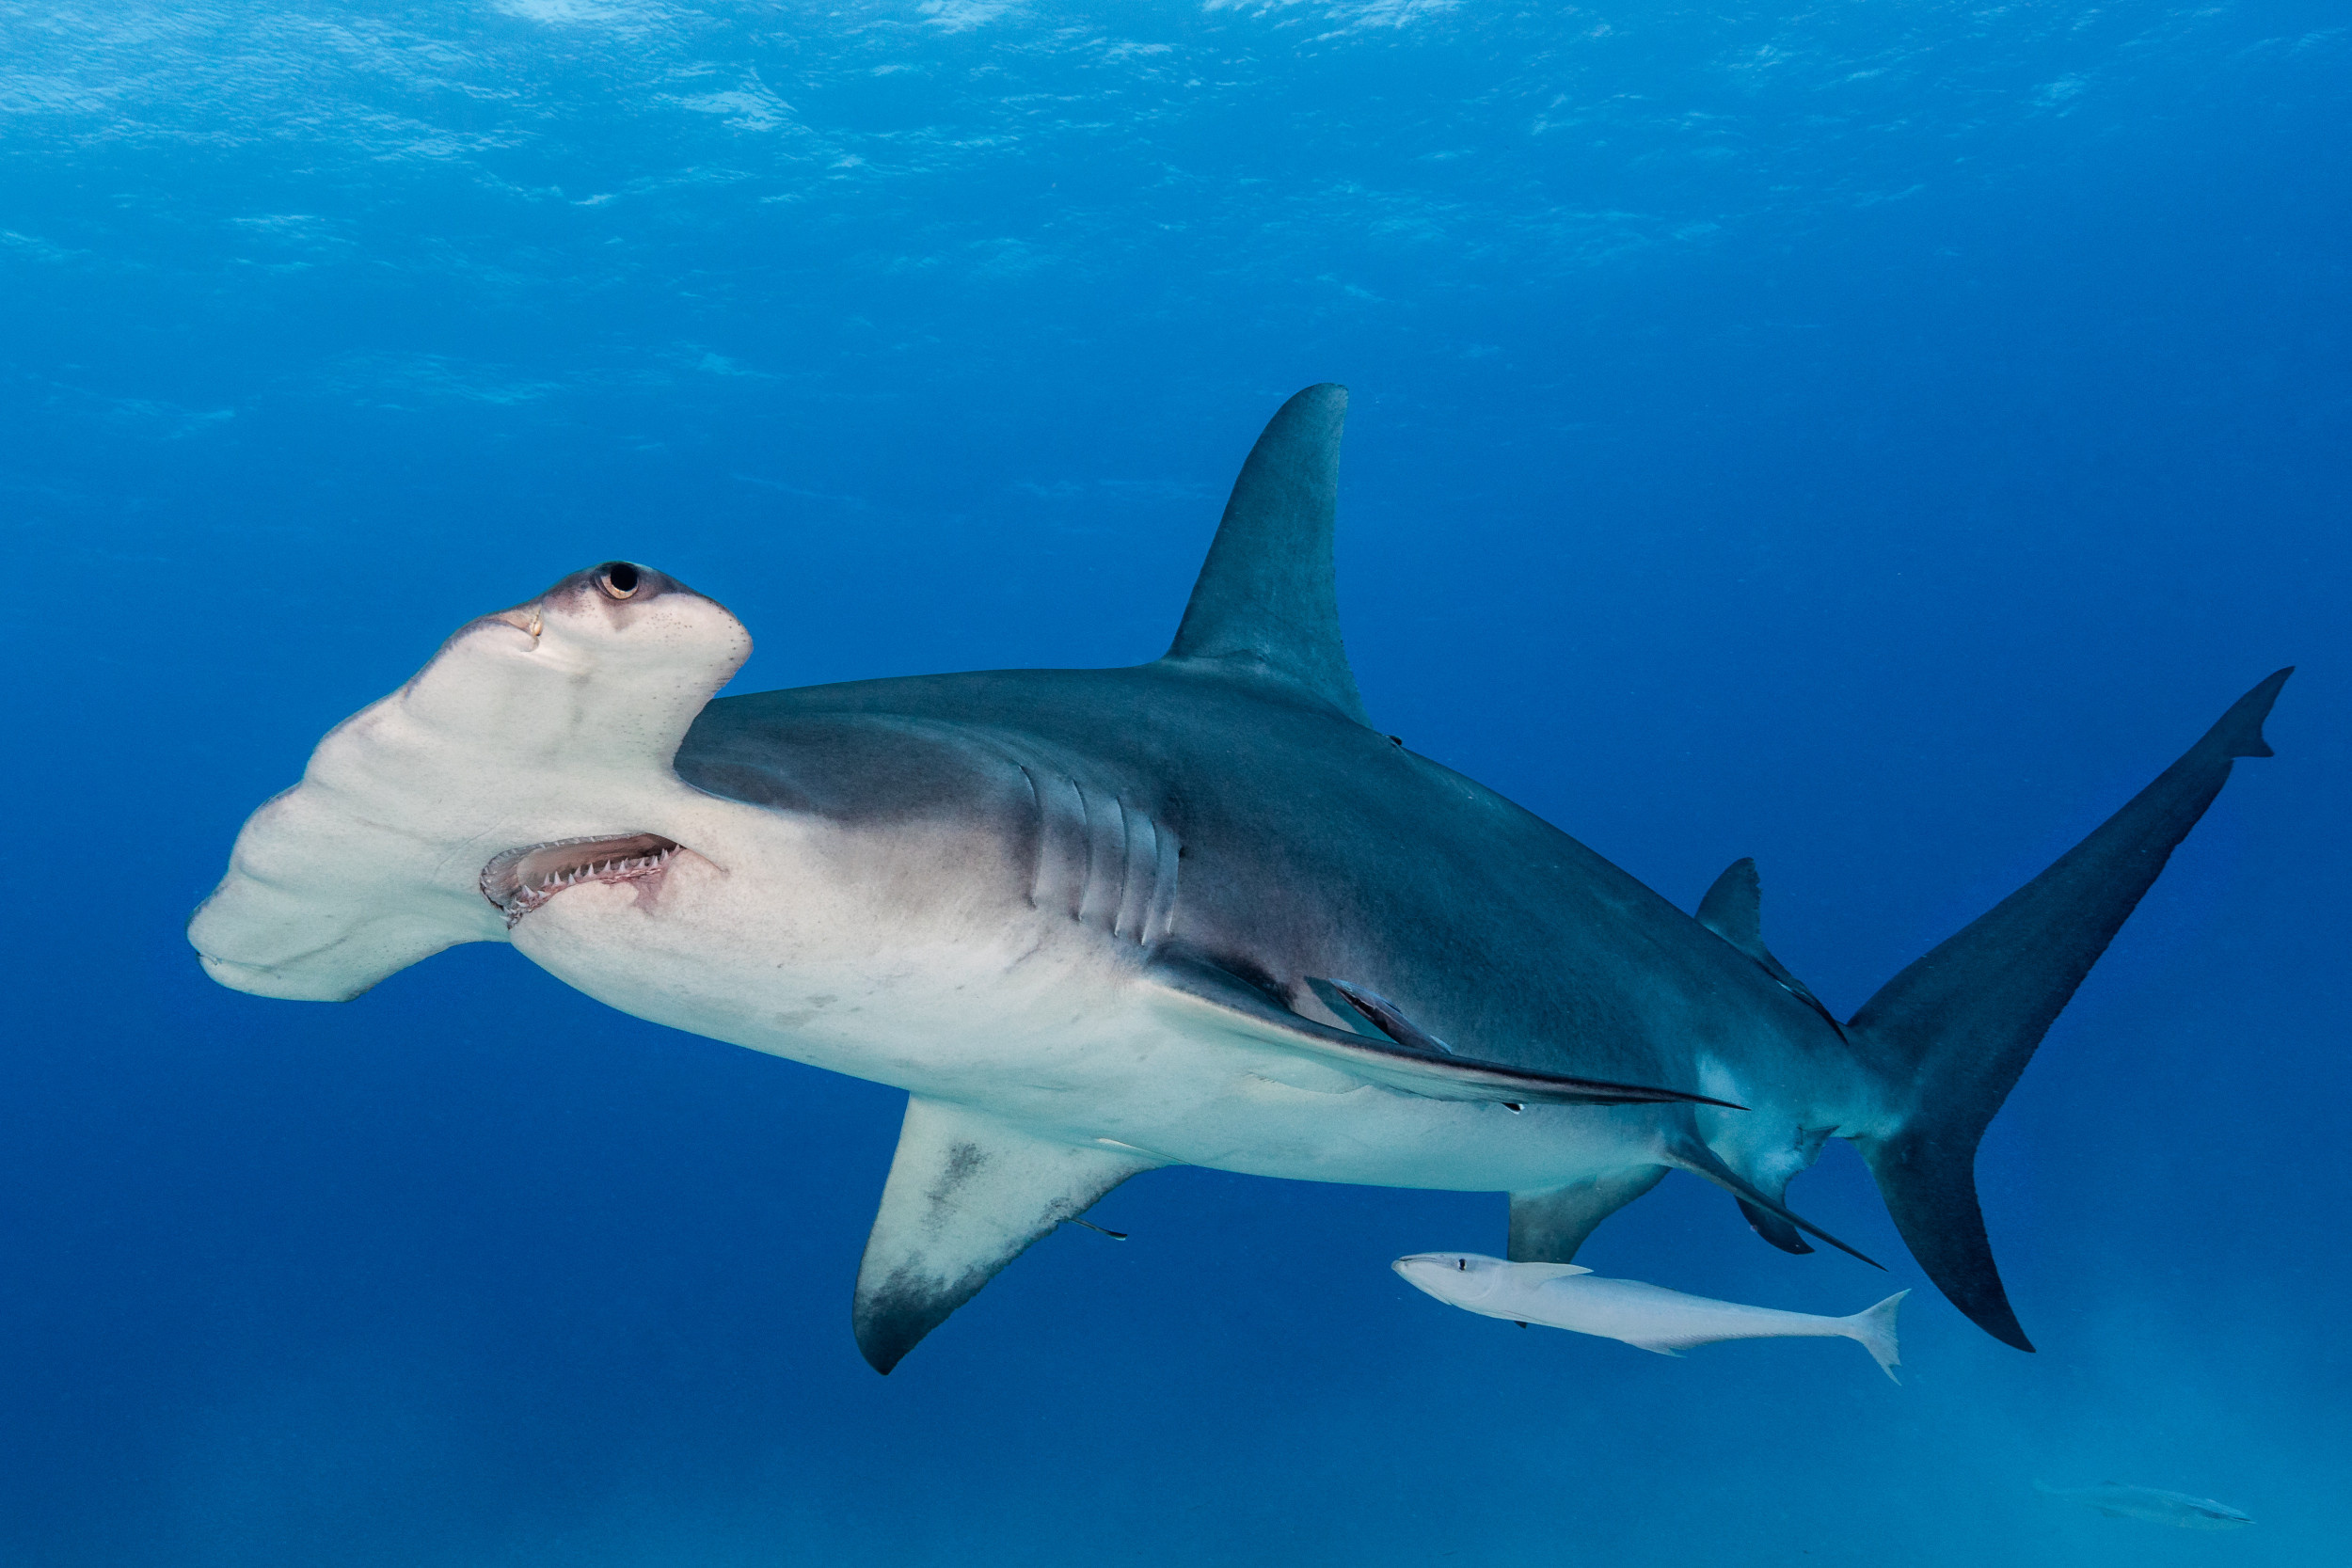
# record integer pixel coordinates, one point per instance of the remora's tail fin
(1873, 1329)
(1948, 1037)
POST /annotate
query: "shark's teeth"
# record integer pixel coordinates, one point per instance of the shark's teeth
(521, 879)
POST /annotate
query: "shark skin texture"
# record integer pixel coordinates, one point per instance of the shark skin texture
(1194, 911)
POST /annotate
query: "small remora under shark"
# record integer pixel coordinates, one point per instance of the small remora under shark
(1193, 913)
(1650, 1317)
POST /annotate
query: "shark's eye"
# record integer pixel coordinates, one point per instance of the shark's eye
(618, 581)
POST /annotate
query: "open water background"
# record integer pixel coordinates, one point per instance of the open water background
(1875, 436)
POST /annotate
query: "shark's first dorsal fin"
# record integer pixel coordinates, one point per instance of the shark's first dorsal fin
(1264, 603)
(966, 1195)
(1733, 910)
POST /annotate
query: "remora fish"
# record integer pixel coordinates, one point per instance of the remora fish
(1650, 1317)
(2119, 1501)
(1194, 911)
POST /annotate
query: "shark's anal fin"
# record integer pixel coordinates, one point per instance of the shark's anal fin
(1773, 1228)
(1733, 910)
(1690, 1154)
(1265, 604)
(966, 1195)
(1549, 1227)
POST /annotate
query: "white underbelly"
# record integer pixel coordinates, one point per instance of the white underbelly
(1034, 1027)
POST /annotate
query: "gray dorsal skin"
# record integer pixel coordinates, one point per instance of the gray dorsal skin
(1099, 921)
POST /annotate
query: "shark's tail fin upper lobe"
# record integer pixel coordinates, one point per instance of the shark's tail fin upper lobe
(1948, 1037)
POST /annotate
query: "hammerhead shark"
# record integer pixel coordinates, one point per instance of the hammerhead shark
(1198, 912)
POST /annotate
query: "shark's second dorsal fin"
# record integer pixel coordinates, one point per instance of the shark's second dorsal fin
(1264, 603)
(1733, 910)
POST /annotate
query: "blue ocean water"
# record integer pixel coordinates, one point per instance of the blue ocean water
(1873, 438)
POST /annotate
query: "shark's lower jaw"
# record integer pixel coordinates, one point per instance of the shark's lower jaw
(521, 879)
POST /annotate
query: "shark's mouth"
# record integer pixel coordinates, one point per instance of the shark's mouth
(520, 881)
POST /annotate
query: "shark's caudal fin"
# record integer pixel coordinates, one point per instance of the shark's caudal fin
(1265, 604)
(1948, 1037)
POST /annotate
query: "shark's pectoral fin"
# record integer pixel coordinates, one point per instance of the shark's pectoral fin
(1734, 910)
(1223, 1002)
(966, 1195)
(1549, 1227)
(1690, 1154)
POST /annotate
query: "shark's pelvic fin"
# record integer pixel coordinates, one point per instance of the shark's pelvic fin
(1265, 604)
(966, 1195)
(1549, 1227)
(1733, 910)
(1243, 1010)
(1948, 1037)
